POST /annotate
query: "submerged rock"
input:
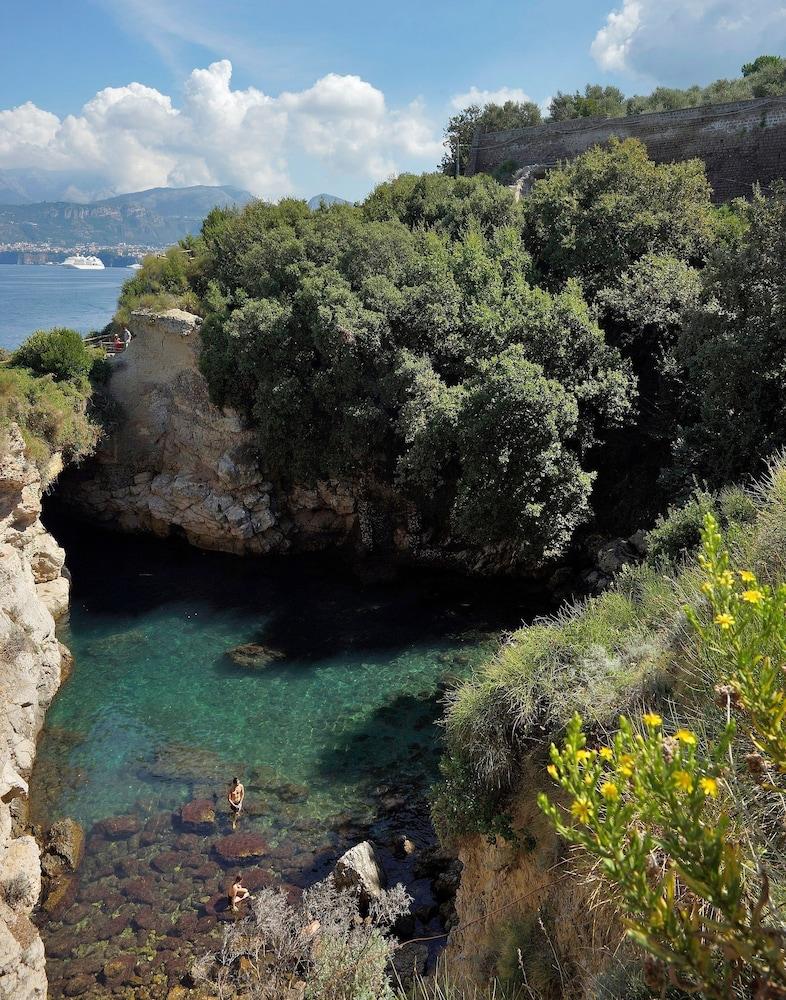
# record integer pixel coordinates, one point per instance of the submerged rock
(240, 848)
(360, 868)
(118, 827)
(198, 816)
(64, 848)
(253, 654)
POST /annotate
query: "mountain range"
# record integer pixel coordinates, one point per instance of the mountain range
(154, 218)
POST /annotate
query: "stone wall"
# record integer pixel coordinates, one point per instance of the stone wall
(741, 143)
(33, 589)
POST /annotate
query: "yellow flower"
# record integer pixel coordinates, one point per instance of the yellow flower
(626, 765)
(551, 769)
(746, 576)
(724, 620)
(606, 753)
(652, 719)
(683, 781)
(686, 736)
(581, 810)
(706, 588)
(610, 791)
(726, 578)
(752, 596)
(589, 780)
(582, 755)
(709, 786)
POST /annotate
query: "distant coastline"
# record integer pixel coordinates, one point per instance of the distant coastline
(111, 256)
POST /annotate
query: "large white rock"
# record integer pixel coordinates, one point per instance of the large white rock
(361, 869)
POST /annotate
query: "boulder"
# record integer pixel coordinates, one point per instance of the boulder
(240, 849)
(65, 846)
(60, 896)
(614, 555)
(198, 816)
(119, 971)
(360, 868)
(253, 654)
(118, 827)
(403, 847)
(409, 962)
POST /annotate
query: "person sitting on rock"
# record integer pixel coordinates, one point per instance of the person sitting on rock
(235, 798)
(237, 893)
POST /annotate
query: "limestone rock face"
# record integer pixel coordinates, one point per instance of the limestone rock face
(177, 464)
(33, 585)
(360, 868)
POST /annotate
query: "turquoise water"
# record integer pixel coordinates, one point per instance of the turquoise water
(36, 297)
(336, 739)
(350, 701)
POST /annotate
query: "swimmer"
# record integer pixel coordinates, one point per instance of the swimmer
(235, 799)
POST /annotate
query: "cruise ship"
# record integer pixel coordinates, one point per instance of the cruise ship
(84, 263)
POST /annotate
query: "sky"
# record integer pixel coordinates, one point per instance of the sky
(101, 97)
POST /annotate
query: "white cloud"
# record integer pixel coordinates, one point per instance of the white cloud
(134, 137)
(664, 40)
(482, 97)
(613, 41)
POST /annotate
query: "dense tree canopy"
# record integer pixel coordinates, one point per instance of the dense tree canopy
(608, 208)
(405, 340)
(732, 352)
(515, 368)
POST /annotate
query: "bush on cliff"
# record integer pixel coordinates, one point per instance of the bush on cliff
(45, 388)
(61, 353)
(51, 415)
(686, 824)
(633, 645)
(402, 340)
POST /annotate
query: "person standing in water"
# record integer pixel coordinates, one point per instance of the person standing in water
(235, 798)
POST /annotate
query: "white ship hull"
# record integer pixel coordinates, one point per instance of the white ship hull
(84, 263)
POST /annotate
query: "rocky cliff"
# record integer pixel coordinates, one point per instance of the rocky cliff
(172, 463)
(33, 590)
(525, 912)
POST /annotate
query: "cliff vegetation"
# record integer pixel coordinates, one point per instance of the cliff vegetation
(516, 369)
(45, 389)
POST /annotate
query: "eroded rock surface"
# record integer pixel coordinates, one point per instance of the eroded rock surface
(33, 588)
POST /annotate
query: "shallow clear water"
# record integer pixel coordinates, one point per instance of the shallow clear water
(336, 739)
(39, 296)
(350, 701)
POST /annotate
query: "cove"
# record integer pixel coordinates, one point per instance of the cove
(334, 737)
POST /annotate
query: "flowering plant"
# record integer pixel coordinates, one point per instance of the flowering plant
(652, 808)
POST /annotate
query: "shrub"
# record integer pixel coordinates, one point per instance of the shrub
(321, 944)
(60, 352)
(656, 811)
(52, 416)
(677, 534)
(17, 891)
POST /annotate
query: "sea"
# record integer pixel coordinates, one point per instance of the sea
(40, 296)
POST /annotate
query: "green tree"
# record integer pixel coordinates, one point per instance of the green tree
(732, 349)
(461, 127)
(357, 341)
(595, 216)
(596, 101)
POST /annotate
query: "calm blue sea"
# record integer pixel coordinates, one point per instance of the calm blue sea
(39, 296)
